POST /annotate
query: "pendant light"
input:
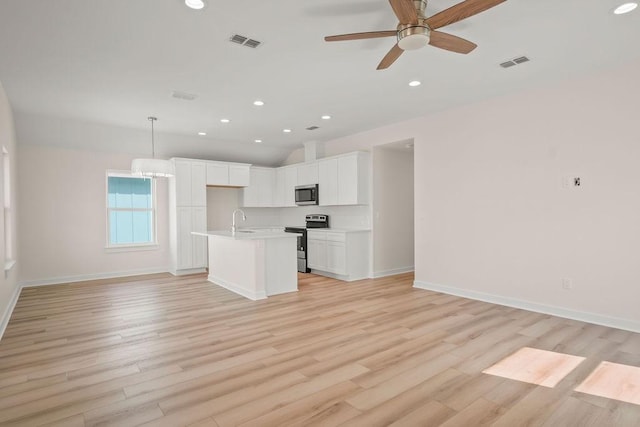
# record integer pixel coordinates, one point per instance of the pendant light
(152, 167)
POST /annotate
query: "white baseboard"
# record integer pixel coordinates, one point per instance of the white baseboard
(86, 277)
(392, 272)
(4, 321)
(188, 271)
(598, 319)
(237, 289)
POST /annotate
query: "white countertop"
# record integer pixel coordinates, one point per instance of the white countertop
(247, 234)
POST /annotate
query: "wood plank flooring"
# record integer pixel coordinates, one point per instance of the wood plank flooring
(163, 351)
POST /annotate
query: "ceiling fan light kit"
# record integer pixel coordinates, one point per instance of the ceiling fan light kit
(415, 30)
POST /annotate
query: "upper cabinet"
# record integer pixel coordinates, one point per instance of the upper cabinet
(190, 183)
(228, 174)
(308, 173)
(261, 191)
(286, 181)
(345, 180)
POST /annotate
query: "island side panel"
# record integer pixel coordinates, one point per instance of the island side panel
(281, 266)
(236, 265)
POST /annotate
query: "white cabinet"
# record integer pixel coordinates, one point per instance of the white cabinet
(344, 180)
(316, 252)
(184, 245)
(187, 213)
(308, 173)
(217, 173)
(198, 184)
(340, 254)
(228, 174)
(286, 181)
(239, 175)
(328, 182)
(261, 191)
(182, 182)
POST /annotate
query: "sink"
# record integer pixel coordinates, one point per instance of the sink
(245, 231)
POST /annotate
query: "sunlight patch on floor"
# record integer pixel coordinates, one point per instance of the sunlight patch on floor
(614, 381)
(530, 365)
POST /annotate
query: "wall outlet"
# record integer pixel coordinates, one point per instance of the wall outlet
(571, 181)
(567, 284)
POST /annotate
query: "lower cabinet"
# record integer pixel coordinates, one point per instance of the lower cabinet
(340, 254)
(191, 251)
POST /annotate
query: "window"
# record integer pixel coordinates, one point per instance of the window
(131, 213)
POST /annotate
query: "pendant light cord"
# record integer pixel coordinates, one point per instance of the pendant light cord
(153, 145)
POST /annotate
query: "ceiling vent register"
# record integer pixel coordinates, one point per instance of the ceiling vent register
(313, 127)
(514, 62)
(245, 41)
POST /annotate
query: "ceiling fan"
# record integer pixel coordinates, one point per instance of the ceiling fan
(415, 30)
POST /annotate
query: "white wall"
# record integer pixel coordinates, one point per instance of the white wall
(393, 229)
(8, 280)
(492, 219)
(63, 217)
(221, 202)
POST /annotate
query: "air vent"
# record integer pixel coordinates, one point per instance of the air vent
(313, 127)
(237, 38)
(183, 95)
(516, 61)
(252, 43)
(245, 41)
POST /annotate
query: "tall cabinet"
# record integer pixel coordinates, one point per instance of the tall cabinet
(187, 213)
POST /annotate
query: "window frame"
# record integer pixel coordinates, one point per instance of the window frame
(126, 247)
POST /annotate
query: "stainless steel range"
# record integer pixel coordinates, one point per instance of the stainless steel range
(311, 221)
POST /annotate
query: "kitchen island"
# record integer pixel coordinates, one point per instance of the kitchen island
(254, 264)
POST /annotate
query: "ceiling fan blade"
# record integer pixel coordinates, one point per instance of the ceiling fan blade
(460, 11)
(450, 42)
(360, 36)
(390, 57)
(405, 11)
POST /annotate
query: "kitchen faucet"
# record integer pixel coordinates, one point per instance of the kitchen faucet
(233, 220)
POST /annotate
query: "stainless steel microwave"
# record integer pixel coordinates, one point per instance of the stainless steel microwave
(307, 195)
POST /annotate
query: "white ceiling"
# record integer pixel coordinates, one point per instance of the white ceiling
(117, 61)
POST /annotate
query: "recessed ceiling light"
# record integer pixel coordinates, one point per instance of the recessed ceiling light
(258, 141)
(415, 83)
(326, 117)
(202, 133)
(194, 4)
(286, 130)
(225, 120)
(625, 8)
(258, 103)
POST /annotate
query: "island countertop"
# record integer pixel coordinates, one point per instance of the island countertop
(247, 234)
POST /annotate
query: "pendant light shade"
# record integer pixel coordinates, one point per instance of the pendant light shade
(153, 168)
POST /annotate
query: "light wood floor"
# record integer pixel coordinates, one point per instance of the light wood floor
(178, 351)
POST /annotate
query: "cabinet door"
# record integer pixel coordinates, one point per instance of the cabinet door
(266, 183)
(308, 173)
(217, 174)
(336, 257)
(185, 248)
(279, 190)
(199, 243)
(251, 194)
(348, 177)
(328, 182)
(183, 182)
(291, 180)
(317, 254)
(239, 175)
(198, 184)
